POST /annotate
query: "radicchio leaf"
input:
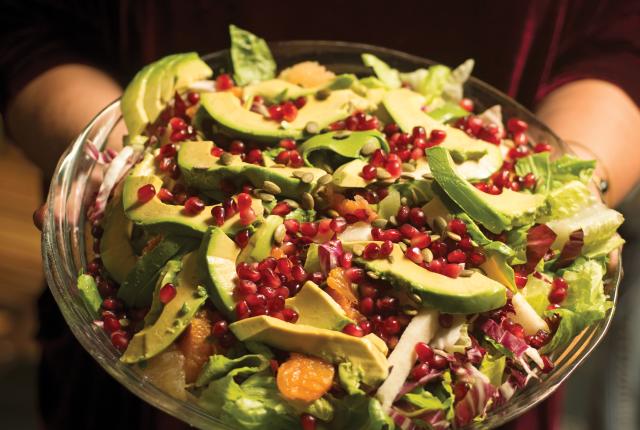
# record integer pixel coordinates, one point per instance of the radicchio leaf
(329, 255)
(571, 249)
(539, 240)
(504, 337)
(478, 399)
(409, 386)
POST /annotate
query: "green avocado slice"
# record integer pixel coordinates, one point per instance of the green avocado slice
(261, 241)
(168, 275)
(475, 158)
(202, 170)
(227, 111)
(473, 294)
(217, 256)
(116, 251)
(496, 212)
(341, 146)
(174, 318)
(158, 216)
(329, 345)
(90, 294)
(137, 288)
(317, 309)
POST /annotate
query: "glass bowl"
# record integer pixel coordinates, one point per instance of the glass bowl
(64, 234)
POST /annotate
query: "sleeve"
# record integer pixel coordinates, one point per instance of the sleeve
(601, 40)
(38, 35)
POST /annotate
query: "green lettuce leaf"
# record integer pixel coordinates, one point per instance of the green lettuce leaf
(425, 400)
(389, 76)
(568, 168)
(567, 199)
(539, 165)
(90, 294)
(219, 365)
(493, 368)
(448, 112)
(586, 302)
(251, 57)
(536, 293)
(434, 82)
(606, 247)
(360, 412)
(350, 378)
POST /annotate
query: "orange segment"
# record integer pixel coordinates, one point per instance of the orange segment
(339, 288)
(304, 378)
(195, 345)
(307, 74)
(355, 207)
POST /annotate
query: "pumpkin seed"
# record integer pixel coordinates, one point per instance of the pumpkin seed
(278, 166)
(416, 298)
(427, 255)
(393, 220)
(427, 176)
(279, 234)
(292, 203)
(441, 223)
(466, 273)
(391, 258)
(435, 237)
(226, 158)
(341, 134)
(307, 201)
(256, 192)
(307, 178)
(454, 236)
(312, 127)
(409, 310)
(266, 197)
(407, 176)
(403, 246)
(271, 187)
(404, 201)
(474, 243)
(379, 222)
(298, 173)
(325, 179)
(333, 213)
(323, 94)
(408, 167)
(382, 174)
(369, 148)
(373, 275)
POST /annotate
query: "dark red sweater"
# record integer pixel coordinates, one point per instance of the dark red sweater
(524, 48)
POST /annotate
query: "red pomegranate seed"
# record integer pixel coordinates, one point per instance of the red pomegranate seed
(112, 304)
(169, 149)
(387, 304)
(242, 238)
(529, 181)
(417, 153)
(242, 310)
(477, 258)
(254, 156)
(414, 255)
(457, 256)
(353, 330)
(216, 151)
(292, 225)
(178, 136)
(542, 147)
(515, 125)
(245, 271)
(267, 263)
(284, 266)
(237, 147)
(394, 167)
(457, 226)
(308, 422)
(403, 214)
(548, 364)
(193, 205)
(217, 212)
(386, 248)
(288, 144)
(177, 124)
(146, 193)
(244, 201)
(371, 251)
(111, 324)
(391, 128)
(193, 98)
(418, 132)
(559, 282)
(167, 293)
(451, 270)
(290, 315)
(466, 104)
(392, 234)
(521, 280)
(289, 111)
(220, 328)
(367, 306)
(378, 158)
(165, 195)
(345, 260)
(295, 159)
(283, 157)
(120, 340)
(409, 231)
(417, 217)
(354, 274)
(276, 112)
(421, 240)
(368, 172)
(338, 224)
(420, 371)
(368, 290)
(309, 229)
(439, 362)
(246, 287)
(224, 82)
(436, 137)
(281, 209)
(557, 295)
(298, 273)
(391, 326)
(424, 352)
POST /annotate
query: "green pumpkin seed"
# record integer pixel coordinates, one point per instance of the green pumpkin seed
(307, 201)
(323, 94)
(279, 234)
(369, 148)
(427, 255)
(454, 236)
(307, 178)
(408, 167)
(226, 158)
(382, 174)
(312, 127)
(271, 187)
(325, 179)
(379, 222)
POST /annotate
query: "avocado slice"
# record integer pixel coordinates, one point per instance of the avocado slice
(317, 309)
(227, 111)
(336, 147)
(202, 170)
(137, 288)
(329, 345)
(158, 216)
(261, 241)
(152, 87)
(89, 293)
(116, 251)
(496, 212)
(475, 158)
(168, 275)
(473, 294)
(349, 175)
(275, 90)
(218, 255)
(174, 318)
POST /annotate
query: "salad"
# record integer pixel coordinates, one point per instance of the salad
(298, 249)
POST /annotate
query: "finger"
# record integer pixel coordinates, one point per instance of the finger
(38, 216)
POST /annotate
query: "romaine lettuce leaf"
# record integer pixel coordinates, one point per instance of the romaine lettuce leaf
(539, 165)
(567, 199)
(360, 412)
(568, 168)
(219, 365)
(389, 76)
(586, 302)
(493, 368)
(251, 57)
(350, 378)
(536, 293)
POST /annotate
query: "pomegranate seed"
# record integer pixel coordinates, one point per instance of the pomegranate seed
(120, 340)
(216, 151)
(542, 147)
(460, 390)
(247, 216)
(378, 158)
(111, 304)
(557, 295)
(371, 251)
(392, 234)
(424, 352)
(224, 82)
(290, 315)
(292, 225)
(403, 214)
(146, 193)
(295, 159)
(217, 212)
(368, 172)
(220, 328)
(242, 310)
(417, 153)
(466, 104)
(246, 287)
(409, 231)
(111, 324)
(515, 329)
(439, 362)
(414, 255)
(300, 102)
(387, 304)
(338, 224)
(477, 258)
(165, 195)
(288, 144)
(275, 112)
(309, 229)
(515, 125)
(167, 293)
(394, 167)
(354, 274)
(391, 128)
(417, 217)
(177, 124)
(457, 226)
(366, 306)
(529, 181)
(421, 240)
(353, 330)
(457, 256)
(242, 238)
(178, 136)
(283, 157)
(307, 422)
(193, 98)
(436, 137)
(298, 273)
(391, 326)
(420, 371)
(289, 112)
(346, 259)
(436, 265)
(366, 326)
(193, 206)
(548, 364)
(451, 270)
(474, 125)
(254, 156)
(245, 271)
(560, 283)
(521, 280)
(168, 149)
(386, 248)
(368, 290)
(418, 132)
